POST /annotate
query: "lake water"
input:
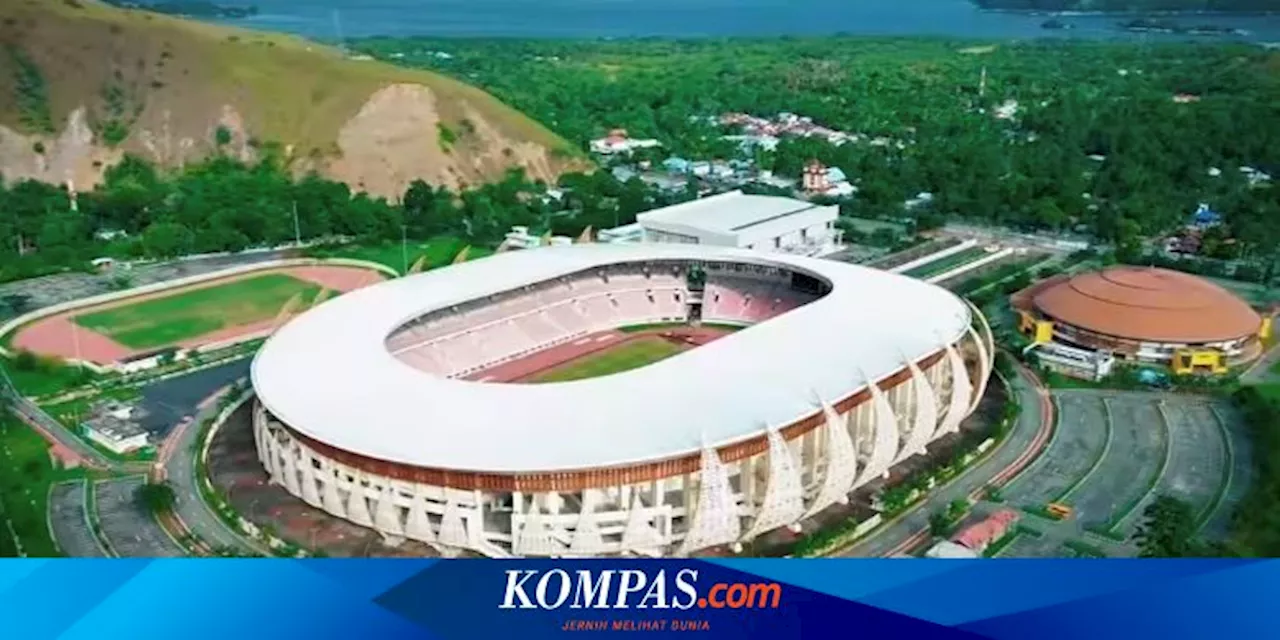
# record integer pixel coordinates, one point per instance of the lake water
(691, 18)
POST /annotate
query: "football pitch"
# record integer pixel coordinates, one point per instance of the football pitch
(185, 315)
(632, 354)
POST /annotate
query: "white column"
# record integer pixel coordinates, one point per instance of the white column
(452, 531)
(842, 463)
(310, 494)
(640, 535)
(387, 514)
(715, 521)
(885, 444)
(926, 413)
(358, 506)
(783, 495)
(534, 538)
(329, 499)
(958, 406)
(418, 526)
(587, 540)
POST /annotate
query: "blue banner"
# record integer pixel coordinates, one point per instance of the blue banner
(528, 600)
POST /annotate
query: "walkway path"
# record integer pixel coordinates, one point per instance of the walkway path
(178, 459)
(1028, 436)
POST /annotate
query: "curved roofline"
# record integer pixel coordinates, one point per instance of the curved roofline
(327, 375)
(1165, 306)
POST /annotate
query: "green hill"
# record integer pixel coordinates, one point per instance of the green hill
(82, 82)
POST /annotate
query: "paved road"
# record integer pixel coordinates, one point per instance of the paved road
(178, 455)
(180, 468)
(127, 527)
(69, 521)
(1018, 449)
(1260, 371)
(54, 430)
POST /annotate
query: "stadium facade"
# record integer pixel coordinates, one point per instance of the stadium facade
(369, 408)
(1142, 315)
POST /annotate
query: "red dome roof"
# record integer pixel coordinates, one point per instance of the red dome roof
(1148, 304)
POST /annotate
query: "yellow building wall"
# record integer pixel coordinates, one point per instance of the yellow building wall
(1026, 323)
(1044, 332)
(1189, 360)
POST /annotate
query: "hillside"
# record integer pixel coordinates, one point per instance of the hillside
(81, 83)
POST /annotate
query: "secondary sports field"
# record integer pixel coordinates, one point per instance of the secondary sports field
(158, 322)
(632, 354)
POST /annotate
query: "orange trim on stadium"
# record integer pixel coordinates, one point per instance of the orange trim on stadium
(570, 481)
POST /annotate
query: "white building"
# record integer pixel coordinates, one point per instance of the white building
(734, 219)
(115, 429)
(520, 238)
(619, 142)
(626, 234)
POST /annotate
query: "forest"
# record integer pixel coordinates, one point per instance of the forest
(1097, 143)
(1121, 140)
(221, 204)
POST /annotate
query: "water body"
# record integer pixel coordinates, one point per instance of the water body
(698, 18)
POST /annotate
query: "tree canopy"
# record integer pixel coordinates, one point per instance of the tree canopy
(1117, 139)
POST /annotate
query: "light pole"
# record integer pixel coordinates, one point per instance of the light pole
(404, 248)
(297, 229)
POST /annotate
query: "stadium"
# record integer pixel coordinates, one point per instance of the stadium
(1144, 315)
(503, 407)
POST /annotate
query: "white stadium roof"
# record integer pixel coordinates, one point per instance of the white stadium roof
(329, 375)
(729, 212)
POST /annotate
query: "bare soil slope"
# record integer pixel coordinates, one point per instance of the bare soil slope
(81, 83)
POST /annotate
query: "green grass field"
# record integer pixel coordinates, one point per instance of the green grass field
(953, 261)
(159, 322)
(630, 355)
(25, 476)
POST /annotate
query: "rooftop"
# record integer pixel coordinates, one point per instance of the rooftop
(728, 212)
(328, 375)
(1147, 303)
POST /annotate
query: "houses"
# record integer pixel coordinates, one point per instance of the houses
(618, 142)
(924, 198)
(1006, 110)
(765, 132)
(1256, 177)
(820, 180)
(980, 536)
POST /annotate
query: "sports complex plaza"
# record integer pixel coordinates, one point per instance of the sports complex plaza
(420, 407)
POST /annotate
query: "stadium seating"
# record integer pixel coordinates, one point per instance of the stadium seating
(477, 335)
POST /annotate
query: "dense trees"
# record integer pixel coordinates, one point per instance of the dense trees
(1168, 530)
(1097, 140)
(1256, 530)
(225, 205)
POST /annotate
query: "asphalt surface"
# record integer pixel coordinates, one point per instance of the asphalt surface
(180, 470)
(126, 525)
(69, 521)
(902, 533)
(168, 402)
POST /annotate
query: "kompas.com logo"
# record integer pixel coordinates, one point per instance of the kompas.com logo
(614, 589)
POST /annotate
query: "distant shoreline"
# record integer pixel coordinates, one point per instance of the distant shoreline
(1131, 14)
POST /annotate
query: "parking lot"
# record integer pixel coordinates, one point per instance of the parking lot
(126, 525)
(69, 521)
(1114, 452)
